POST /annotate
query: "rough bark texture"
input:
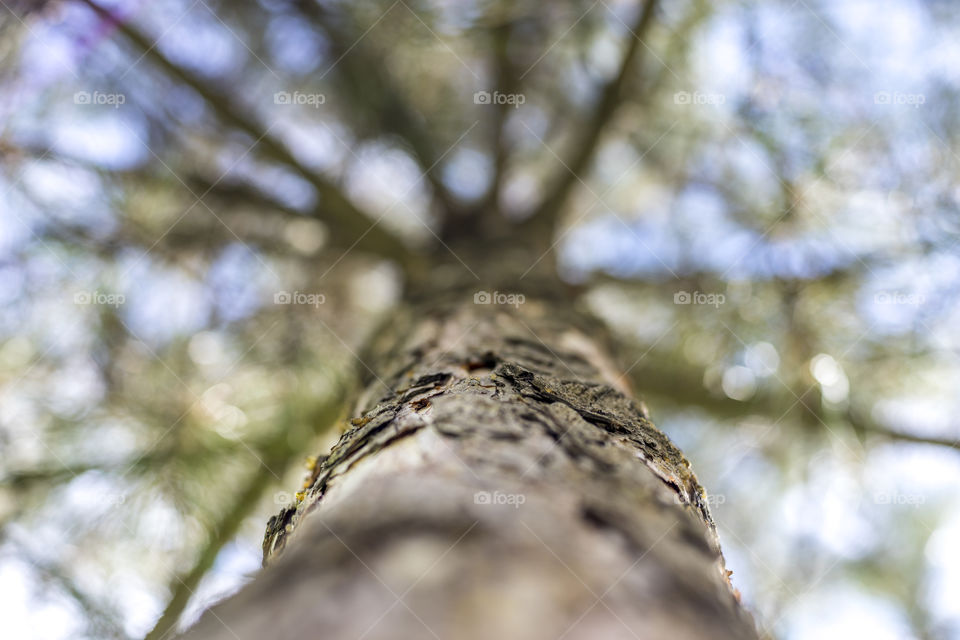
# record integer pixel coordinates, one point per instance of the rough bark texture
(499, 483)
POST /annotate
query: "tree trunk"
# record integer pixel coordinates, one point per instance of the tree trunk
(499, 482)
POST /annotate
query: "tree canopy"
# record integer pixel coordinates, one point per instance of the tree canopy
(207, 207)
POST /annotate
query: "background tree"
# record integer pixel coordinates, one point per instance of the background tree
(798, 159)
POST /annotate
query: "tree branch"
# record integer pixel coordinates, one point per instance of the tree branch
(347, 223)
(367, 79)
(872, 427)
(507, 81)
(185, 585)
(101, 620)
(545, 215)
(686, 388)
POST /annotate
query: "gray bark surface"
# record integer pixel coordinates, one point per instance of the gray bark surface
(498, 482)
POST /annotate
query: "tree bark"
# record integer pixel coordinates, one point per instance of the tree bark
(497, 482)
